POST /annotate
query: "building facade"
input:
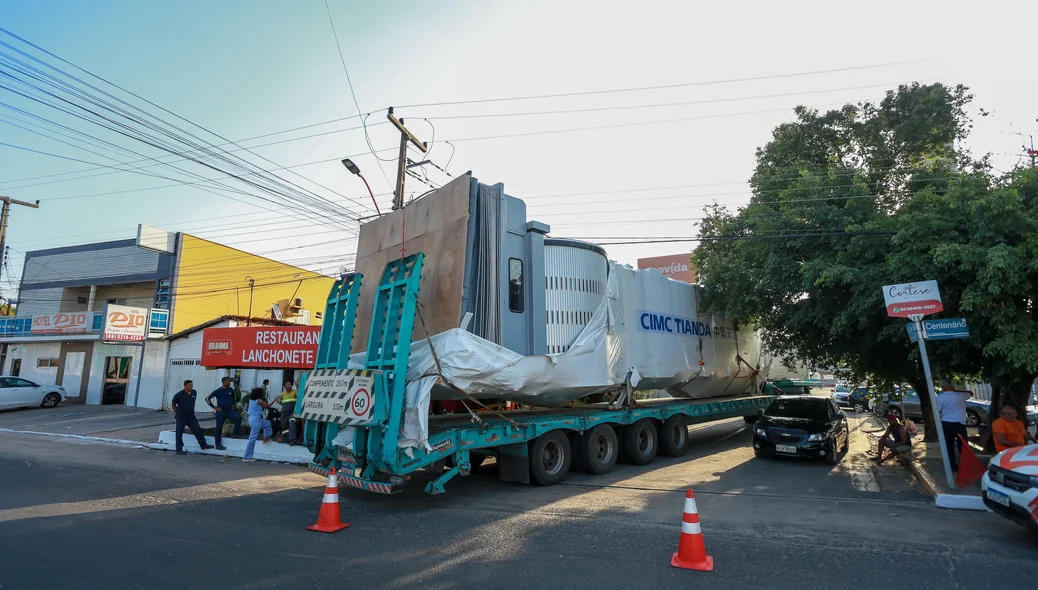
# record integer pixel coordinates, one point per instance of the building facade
(56, 336)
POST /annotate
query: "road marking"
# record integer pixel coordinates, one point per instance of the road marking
(862, 478)
(216, 491)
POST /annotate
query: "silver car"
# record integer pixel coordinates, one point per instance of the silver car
(976, 410)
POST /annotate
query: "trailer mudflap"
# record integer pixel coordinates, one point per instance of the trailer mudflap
(514, 463)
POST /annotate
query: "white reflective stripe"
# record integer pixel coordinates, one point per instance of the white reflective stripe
(331, 499)
(331, 481)
(690, 506)
(691, 528)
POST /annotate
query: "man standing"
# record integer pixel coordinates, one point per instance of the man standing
(266, 389)
(288, 408)
(952, 405)
(184, 409)
(224, 409)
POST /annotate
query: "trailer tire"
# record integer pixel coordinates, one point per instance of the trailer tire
(550, 457)
(598, 450)
(641, 442)
(673, 436)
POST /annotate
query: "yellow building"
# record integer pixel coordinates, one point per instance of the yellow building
(211, 280)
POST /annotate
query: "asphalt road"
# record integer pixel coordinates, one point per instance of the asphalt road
(76, 514)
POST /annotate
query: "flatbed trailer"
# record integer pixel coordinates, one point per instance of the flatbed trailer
(352, 418)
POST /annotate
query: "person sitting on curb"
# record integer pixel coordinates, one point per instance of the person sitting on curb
(894, 438)
(257, 422)
(1009, 431)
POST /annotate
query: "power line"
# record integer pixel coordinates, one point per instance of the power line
(650, 106)
(661, 86)
(301, 195)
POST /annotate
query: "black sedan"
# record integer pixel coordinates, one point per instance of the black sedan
(797, 426)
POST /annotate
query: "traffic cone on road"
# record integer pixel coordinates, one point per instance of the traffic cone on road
(691, 550)
(328, 520)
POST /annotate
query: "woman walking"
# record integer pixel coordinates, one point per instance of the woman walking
(256, 422)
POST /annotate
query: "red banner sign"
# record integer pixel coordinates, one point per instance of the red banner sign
(267, 347)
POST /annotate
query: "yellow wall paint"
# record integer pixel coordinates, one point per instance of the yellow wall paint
(207, 274)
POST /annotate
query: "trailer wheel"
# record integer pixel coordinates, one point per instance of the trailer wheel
(598, 450)
(640, 442)
(673, 435)
(550, 456)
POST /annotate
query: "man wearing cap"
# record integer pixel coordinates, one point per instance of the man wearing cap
(952, 404)
(224, 408)
(895, 438)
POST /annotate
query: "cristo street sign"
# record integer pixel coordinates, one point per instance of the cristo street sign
(923, 298)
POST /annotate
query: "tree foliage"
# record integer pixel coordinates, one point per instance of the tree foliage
(898, 199)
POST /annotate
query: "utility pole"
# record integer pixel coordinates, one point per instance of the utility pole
(401, 164)
(252, 286)
(3, 220)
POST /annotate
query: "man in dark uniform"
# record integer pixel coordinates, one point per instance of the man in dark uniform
(224, 410)
(184, 407)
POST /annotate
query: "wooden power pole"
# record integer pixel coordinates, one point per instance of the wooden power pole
(3, 221)
(401, 165)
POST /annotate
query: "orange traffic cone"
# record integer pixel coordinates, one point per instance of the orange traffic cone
(328, 520)
(691, 551)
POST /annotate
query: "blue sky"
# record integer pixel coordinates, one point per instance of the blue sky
(249, 68)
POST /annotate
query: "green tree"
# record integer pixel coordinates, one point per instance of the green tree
(896, 198)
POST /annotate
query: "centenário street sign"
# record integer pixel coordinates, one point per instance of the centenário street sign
(945, 329)
(939, 329)
(907, 299)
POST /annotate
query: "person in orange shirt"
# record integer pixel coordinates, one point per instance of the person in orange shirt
(1009, 431)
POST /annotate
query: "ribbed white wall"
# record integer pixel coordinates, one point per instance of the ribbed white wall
(575, 285)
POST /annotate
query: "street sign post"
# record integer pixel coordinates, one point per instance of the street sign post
(915, 301)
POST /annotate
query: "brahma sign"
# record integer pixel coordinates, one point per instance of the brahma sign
(265, 347)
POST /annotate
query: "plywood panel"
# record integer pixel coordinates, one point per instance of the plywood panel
(436, 225)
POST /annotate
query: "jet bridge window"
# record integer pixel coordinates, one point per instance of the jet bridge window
(515, 285)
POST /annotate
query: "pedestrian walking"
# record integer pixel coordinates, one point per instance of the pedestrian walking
(184, 410)
(1009, 431)
(288, 408)
(257, 423)
(224, 408)
(952, 405)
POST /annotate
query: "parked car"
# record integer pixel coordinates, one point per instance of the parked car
(16, 392)
(807, 427)
(976, 410)
(1010, 485)
(857, 398)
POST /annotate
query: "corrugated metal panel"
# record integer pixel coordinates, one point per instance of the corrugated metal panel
(89, 264)
(39, 301)
(575, 285)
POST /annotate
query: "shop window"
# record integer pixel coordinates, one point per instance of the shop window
(515, 286)
(117, 301)
(44, 363)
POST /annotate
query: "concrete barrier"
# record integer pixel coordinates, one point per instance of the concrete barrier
(272, 451)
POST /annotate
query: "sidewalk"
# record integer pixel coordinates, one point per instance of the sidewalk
(121, 425)
(117, 422)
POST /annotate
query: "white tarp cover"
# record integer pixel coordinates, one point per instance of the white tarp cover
(647, 326)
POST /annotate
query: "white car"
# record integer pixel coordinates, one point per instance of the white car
(1010, 485)
(16, 392)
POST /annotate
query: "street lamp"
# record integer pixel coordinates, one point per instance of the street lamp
(348, 163)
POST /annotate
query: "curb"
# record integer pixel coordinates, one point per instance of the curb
(118, 441)
(960, 502)
(926, 482)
